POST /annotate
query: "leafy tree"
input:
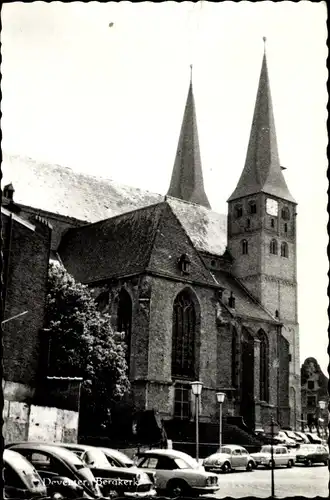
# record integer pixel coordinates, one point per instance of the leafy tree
(84, 345)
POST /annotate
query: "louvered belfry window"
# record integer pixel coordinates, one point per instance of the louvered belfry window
(184, 329)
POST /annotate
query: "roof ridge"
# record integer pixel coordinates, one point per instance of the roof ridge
(255, 300)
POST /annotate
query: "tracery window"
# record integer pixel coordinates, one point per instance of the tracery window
(264, 367)
(234, 359)
(124, 319)
(184, 334)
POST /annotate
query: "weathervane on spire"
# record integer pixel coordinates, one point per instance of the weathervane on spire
(265, 40)
(191, 69)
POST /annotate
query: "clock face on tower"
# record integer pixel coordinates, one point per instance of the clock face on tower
(272, 207)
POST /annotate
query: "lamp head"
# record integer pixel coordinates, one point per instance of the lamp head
(322, 405)
(196, 388)
(221, 397)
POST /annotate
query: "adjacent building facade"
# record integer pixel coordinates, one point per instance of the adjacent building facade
(314, 397)
(198, 295)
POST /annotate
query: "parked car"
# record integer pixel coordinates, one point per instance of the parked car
(283, 439)
(310, 454)
(177, 473)
(229, 457)
(291, 435)
(313, 438)
(113, 479)
(21, 480)
(281, 456)
(303, 436)
(63, 473)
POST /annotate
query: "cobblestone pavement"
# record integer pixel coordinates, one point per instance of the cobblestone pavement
(300, 480)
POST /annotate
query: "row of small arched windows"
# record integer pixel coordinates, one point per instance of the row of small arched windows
(252, 209)
(273, 248)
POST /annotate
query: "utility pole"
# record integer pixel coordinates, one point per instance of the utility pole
(272, 457)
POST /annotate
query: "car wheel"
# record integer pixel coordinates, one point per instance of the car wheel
(309, 463)
(250, 466)
(226, 467)
(177, 488)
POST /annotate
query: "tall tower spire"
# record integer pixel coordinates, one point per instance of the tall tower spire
(262, 171)
(187, 177)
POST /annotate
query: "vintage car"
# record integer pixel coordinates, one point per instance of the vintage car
(313, 438)
(229, 457)
(284, 440)
(113, 479)
(281, 456)
(63, 473)
(21, 480)
(310, 454)
(177, 474)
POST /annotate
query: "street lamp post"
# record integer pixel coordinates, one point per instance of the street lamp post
(220, 398)
(196, 388)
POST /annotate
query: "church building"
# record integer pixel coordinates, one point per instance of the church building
(198, 295)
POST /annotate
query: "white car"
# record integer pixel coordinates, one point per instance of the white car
(281, 456)
(177, 473)
(285, 440)
(229, 457)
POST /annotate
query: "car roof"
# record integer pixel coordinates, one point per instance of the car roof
(166, 452)
(50, 448)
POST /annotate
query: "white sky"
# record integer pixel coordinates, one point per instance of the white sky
(109, 102)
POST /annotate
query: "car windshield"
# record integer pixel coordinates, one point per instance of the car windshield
(223, 449)
(119, 456)
(291, 434)
(96, 458)
(266, 449)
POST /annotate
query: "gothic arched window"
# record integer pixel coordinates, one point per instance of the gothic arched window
(273, 247)
(245, 247)
(184, 333)
(234, 359)
(124, 319)
(284, 250)
(285, 213)
(264, 367)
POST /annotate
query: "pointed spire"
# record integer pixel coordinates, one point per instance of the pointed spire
(187, 177)
(262, 171)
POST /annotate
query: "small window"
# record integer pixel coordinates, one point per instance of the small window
(182, 401)
(310, 384)
(277, 314)
(285, 228)
(273, 247)
(284, 250)
(272, 223)
(285, 213)
(245, 247)
(238, 211)
(248, 223)
(184, 263)
(311, 400)
(149, 463)
(213, 263)
(231, 301)
(252, 207)
(236, 452)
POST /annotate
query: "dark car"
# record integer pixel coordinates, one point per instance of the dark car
(63, 473)
(310, 454)
(113, 479)
(21, 480)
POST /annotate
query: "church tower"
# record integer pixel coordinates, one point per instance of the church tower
(187, 177)
(262, 231)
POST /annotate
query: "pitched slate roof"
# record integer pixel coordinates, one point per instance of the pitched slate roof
(60, 190)
(262, 171)
(119, 246)
(207, 229)
(245, 304)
